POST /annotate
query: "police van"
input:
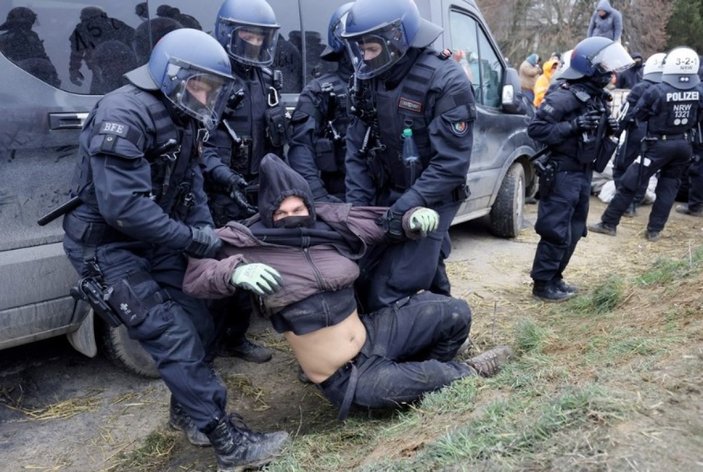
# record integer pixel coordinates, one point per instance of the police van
(58, 58)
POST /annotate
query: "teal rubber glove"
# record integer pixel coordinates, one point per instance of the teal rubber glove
(260, 278)
(424, 219)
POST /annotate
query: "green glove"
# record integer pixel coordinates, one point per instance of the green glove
(259, 278)
(424, 219)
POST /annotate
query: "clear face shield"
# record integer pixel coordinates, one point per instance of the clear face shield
(613, 58)
(201, 94)
(254, 45)
(377, 51)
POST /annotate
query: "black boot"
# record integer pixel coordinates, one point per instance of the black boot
(244, 349)
(238, 448)
(179, 419)
(548, 292)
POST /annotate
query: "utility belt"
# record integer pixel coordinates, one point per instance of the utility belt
(571, 165)
(666, 137)
(91, 233)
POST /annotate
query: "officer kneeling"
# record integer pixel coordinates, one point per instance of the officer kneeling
(142, 209)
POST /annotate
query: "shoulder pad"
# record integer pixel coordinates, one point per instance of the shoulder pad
(581, 95)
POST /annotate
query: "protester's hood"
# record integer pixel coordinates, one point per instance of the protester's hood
(547, 69)
(605, 6)
(276, 182)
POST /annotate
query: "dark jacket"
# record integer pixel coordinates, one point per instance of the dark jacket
(319, 259)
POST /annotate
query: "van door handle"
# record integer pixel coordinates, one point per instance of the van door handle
(67, 120)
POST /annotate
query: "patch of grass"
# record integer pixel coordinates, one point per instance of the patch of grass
(603, 299)
(153, 455)
(666, 271)
(456, 398)
(521, 425)
(529, 336)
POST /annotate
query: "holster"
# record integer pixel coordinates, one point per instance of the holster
(276, 126)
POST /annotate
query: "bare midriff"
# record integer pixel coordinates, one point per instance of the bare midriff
(322, 352)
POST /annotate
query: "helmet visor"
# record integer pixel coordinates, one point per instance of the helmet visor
(253, 45)
(201, 94)
(376, 51)
(613, 58)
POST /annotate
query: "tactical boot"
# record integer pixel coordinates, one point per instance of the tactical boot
(564, 287)
(245, 349)
(652, 235)
(179, 419)
(487, 364)
(687, 210)
(631, 211)
(603, 228)
(550, 293)
(238, 448)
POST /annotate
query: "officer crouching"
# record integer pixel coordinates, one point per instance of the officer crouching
(574, 122)
(142, 208)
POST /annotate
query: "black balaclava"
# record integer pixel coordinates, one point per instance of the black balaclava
(277, 181)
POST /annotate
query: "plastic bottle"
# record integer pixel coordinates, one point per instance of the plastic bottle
(411, 156)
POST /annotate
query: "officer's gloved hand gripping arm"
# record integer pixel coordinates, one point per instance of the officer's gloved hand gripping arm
(122, 180)
(259, 278)
(451, 139)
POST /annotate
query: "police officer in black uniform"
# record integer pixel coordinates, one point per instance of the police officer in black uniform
(403, 86)
(574, 122)
(636, 131)
(142, 209)
(672, 109)
(320, 120)
(253, 125)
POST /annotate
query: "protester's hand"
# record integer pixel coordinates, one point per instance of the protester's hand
(424, 219)
(587, 121)
(205, 242)
(260, 278)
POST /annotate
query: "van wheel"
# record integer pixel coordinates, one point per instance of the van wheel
(127, 353)
(507, 212)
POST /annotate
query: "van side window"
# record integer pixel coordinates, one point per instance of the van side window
(484, 68)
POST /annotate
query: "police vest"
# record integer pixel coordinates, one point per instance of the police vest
(677, 110)
(403, 107)
(169, 154)
(258, 120)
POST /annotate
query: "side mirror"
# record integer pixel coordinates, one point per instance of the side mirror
(512, 100)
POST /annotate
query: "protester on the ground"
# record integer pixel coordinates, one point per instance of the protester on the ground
(298, 256)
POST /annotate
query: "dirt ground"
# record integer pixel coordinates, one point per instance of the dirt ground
(60, 411)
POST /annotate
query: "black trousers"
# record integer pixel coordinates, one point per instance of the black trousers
(176, 333)
(408, 351)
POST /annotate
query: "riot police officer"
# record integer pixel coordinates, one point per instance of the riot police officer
(671, 109)
(253, 124)
(319, 122)
(627, 153)
(405, 88)
(142, 209)
(574, 122)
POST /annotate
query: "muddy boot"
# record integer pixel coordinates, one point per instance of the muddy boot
(487, 364)
(179, 419)
(603, 228)
(238, 448)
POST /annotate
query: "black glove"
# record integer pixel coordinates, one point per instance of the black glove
(613, 125)
(587, 121)
(205, 243)
(236, 183)
(241, 201)
(393, 224)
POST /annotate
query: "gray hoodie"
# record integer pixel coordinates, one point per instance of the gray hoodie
(609, 26)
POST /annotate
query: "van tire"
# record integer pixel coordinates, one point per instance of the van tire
(508, 211)
(126, 353)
